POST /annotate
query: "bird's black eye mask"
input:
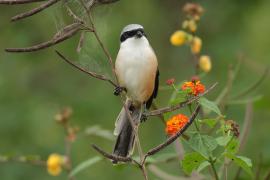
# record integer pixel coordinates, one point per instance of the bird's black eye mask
(132, 33)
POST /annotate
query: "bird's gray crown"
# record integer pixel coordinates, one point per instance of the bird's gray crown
(131, 27)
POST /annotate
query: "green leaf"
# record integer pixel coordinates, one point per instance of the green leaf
(209, 122)
(203, 165)
(203, 144)
(167, 115)
(223, 140)
(209, 105)
(85, 164)
(233, 146)
(181, 96)
(192, 161)
(243, 162)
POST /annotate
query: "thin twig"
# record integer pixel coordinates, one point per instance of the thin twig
(81, 42)
(22, 159)
(13, 2)
(34, 11)
(106, 52)
(64, 35)
(181, 105)
(246, 125)
(93, 74)
(161, 117)
(174, 137)
(106, 1)
(213, 168)
(114, 157)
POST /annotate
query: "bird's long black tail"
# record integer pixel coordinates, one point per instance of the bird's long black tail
(125, 134)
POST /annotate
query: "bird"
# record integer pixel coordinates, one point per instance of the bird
(136, 69)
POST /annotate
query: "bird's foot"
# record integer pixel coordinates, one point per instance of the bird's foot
(143, 117)
(118, 90)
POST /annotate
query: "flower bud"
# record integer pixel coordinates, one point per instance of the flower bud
(205, 63)
(170, 81)
(196, 45)
(192, 26)
(178, 38)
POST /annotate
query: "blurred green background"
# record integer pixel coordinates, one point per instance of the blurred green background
(35, 86)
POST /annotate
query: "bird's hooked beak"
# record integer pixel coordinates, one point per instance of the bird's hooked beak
(139, 34)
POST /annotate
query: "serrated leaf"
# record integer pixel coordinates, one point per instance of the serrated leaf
(192, 161)
(233, 146)
(223, 140)
(243, 162)
(85, 164)
(203, 144)
(209, 122)
(209, 105)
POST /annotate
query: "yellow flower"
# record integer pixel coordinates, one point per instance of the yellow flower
(54, 164)
(178, 38)
(196, 45)
(205, 63)
(192, 26)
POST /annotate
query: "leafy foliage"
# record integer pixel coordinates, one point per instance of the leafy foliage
(192, 161)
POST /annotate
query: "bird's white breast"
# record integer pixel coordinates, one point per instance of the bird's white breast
(136, 67)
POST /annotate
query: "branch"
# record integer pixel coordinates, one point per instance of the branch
(246, 125)
(93, 74)
(66, 33)
(106, 1)
(181, 105)
(113, 157)
(153, 150)
(13, 2)
(174, 137)
(34, 11)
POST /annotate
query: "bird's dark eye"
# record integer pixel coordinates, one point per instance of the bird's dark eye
(130, 34)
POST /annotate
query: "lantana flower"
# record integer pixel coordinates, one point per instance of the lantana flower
(176, 123)
(54, 164)
(195, 87)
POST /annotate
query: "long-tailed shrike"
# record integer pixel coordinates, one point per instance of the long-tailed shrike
(137, 72)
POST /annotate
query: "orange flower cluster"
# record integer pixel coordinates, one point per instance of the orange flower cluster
(176, 123)
(195, 86)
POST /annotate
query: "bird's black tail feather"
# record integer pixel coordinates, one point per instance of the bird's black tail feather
(125, 135)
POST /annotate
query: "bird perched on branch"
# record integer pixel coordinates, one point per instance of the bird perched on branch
(137, 72)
